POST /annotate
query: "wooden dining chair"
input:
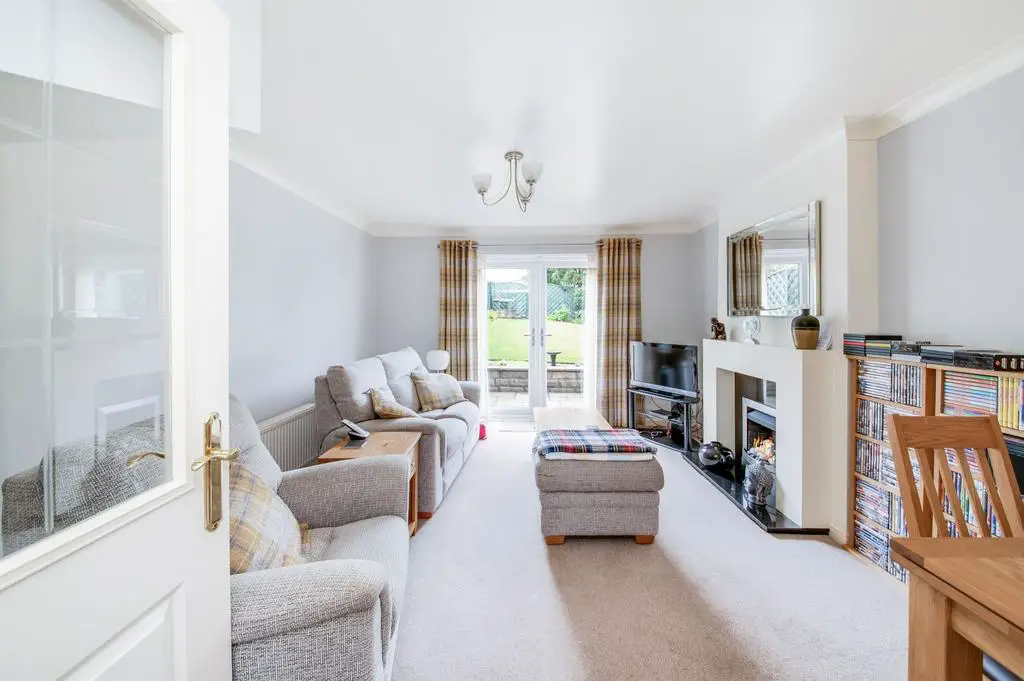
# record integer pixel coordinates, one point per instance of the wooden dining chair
(930, 437)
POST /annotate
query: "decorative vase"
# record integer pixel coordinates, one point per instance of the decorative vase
(758, 482)
(715, 455)
(805, 329)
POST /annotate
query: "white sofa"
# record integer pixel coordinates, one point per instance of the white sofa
(448, 435)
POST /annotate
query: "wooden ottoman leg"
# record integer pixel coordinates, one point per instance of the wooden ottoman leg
(554, 539)
(644, 539)
(424, 515)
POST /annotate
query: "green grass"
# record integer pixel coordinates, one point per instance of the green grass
(505, 340)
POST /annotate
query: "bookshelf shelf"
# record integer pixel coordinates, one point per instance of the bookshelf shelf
(978, 372)
(868, 438)
(867, 561)
(888, 403)
(877, 483)
(881, 528)
(971, 525)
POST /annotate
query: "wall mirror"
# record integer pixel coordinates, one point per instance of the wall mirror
(775, 266)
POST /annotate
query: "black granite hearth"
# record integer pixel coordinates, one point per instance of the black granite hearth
(767, 517)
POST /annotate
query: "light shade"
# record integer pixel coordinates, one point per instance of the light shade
(482, 182)
(532, 170)
(437, 360)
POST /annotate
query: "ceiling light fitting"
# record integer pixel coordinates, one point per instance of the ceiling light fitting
(530, 174)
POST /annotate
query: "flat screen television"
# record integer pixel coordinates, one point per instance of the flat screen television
(663, 367)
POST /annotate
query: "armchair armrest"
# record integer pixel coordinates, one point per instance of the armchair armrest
(471, 389)
(268, 603)
(343, 492)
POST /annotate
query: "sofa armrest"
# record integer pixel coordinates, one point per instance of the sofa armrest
(268, 603)
(333, 494)
(21, 505)
(333, 438)
(471, 389)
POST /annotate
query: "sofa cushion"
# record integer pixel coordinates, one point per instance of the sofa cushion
(383, 539)
(350, 384)
(245, 435)
(386, 406)
(455, 432)
(398, 368)
(437, 391)
(263, 532)
(465, 411)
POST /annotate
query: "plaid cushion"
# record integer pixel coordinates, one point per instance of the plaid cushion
(386, 406)
(264, 533)
(437, 391)
(593, 445)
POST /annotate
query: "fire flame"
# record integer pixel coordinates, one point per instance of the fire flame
(764, 448)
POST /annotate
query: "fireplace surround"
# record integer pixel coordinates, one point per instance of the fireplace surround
(805, 415)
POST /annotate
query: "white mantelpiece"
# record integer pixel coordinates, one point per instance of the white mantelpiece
(806, 387)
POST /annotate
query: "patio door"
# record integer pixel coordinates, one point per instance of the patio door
(539, 337)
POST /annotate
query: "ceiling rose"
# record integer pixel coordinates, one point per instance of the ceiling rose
(530, 174)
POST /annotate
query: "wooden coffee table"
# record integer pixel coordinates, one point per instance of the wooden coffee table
(385, 444)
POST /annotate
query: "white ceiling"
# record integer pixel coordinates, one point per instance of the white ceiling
(642, 112)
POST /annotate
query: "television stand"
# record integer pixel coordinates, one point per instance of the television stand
(677, 416)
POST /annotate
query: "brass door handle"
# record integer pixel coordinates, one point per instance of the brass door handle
(212, 475)
(215, 455)
(135, 459)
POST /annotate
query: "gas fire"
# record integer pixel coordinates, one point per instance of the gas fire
(764, 449)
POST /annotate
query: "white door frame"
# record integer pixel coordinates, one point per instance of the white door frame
(148, 566)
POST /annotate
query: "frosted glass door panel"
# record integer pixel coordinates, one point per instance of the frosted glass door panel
(83, 249)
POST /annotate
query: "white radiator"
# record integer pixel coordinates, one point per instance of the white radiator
(291, 437)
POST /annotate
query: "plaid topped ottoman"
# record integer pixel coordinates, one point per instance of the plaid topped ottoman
(592, 480)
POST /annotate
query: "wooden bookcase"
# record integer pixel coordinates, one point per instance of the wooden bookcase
(873, 443)
(931, 391)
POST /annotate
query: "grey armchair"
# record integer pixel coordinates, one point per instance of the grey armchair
(336, 616)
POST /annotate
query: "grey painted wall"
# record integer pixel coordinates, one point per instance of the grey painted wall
(950, 221)
(707, 245)
(406, 281)
(671, 288)
(298, 294)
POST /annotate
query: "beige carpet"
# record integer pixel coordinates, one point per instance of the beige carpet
(713, 598)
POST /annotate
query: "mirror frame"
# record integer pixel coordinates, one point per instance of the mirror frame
(813, 212)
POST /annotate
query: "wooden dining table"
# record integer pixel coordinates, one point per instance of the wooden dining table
(966, 598)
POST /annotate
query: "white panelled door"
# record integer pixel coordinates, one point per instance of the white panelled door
(113, 339)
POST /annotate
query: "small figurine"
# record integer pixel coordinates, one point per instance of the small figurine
(717, 329)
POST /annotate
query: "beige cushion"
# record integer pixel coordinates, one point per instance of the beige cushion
(436, 391)
(386, 406)
(398, 367)
(350, 385)
(263, 532)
